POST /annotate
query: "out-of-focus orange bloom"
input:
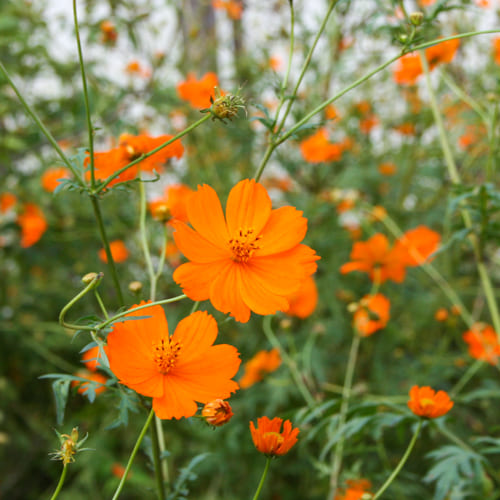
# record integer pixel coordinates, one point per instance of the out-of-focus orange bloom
(33, 224)
(376, 258)
(52, 176)
(284, 184)
(416, 246)
(425, 402)
(455, 310)
(118, 470)
(317, 148)
(405, 128)
(99, 379)
(472, 136)
(198, 92)
(303, 302)
(368, 122)
(234, 8)
(218, 412)
(91, 358)
(108, 32)
(363, 107)
(441, 314)
(442, 52)
(496, 49)
(174, 200)
(7, 201)
(261, 364)
(269, 439)
(331, 112)
(118, 249)
(135, 68)
(175, 370)
(345, 205)
(483, 343)
(387, 168)
(106, 163)
(275, 63)
(378, 213)
(356, 489)
(372, 314)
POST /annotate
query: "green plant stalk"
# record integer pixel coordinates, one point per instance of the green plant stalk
(491, 165)
(262, 479)
(471, 371)
(105, 242)
(401, 463)
(290, 363)
(163, 253)
(455, 177)
(157, 461)
(144, 242)
(31, 112)
(346, 395)
(101, 304)
(133, 454)
(103, 186)
(85, 96)
(60, 483)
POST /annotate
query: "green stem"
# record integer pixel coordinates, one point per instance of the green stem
(144, 241)
(101, 304)
(133, 454)
(31, 112)
(105, 242)
(157, 461)
(103, 186)
(346, 395)
(60, 483)
(262, 479)
(85, 96)
(401, 463)
(290, 363)
(471, 371)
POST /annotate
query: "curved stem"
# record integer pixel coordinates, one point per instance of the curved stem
(401, 463)
(262, 479)
(60, 483)
(133, 454)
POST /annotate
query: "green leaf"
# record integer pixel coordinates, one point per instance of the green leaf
(61, 390)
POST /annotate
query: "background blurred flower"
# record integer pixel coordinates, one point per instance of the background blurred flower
(426, 402)
(263, 363)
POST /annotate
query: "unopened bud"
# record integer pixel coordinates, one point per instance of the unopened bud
(135, 286)
(89, 277)
(416, 18)
(217, 412)
(162, 213)
(353, 307)
(225, 106)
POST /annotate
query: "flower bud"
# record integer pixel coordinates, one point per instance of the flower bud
(135, 286)
(162, 213)
(416, 18)
(218, 412)
(89, 277)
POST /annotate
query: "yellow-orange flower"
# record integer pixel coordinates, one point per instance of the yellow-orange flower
(198, 92)
(217, 412)
(118, 250)
(356, 489)
(178, 370)
(269, 439)
(261, 364)
(91, 358)
(52, 176)
(387, 168)
(108, 32)
(441, 314)
(174, 201)
(99, 380)
(234, 8)
(372, 314)
(251, 259)
(416, 246)
(483, 343)
(317, 148)
(496, 50)
(107, 163)
(304, 301)
(33, 224)
(7, 201)
(426, 402)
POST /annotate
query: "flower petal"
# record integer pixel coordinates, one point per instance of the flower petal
(196, 279)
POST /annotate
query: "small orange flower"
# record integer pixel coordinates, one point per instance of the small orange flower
(442, 52)
(174, 200)
(135, 68)
(118, 249)
(261, 364)
(107, 163)
(496, 49)
(331, 112)
(99, 380)
(178, 370)
(52, 176)
(405, 128)
(303, 302)
(356, 489)
(408, 69)
(483, 343)
(234, 8)
(416, 246)
(33, 224)
(118, 470)
(108, 32)
(275, 63)
(7, 201)
(387, 168)
(425, 402)
(270, 440)
(441, 314)
(368, 122)
(317, 148)
(218, 412)
(372, 314)
(198, 92)
(251, 259)
(91, 358)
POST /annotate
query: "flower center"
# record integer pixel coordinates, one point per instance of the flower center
(426, 402)
(274, 441)
(244, 244)
(166, 353)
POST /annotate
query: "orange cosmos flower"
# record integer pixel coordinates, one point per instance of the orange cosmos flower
(261, 364)
(33, 224)
(218, 412)
(91, 358)
(408, 69)
(118, 250)
(106, 163)
(249, 260)
(425, 402)
(331, 112)
(198, 92)
(270, 440)
(441, 314)
(356, 489)
(303, 302)
(387, 168)
(372, 314)
(7, 201)
(416, 246)
(483, 343)
(233, 8)
(317, 148)
(52, 176)
(108, 32)
(118, 470)
(275, 63)
(442, 52)
(178, 370)
(174, 201)
(99, 380)
(496, 49)
(406, 128)
(375, 258)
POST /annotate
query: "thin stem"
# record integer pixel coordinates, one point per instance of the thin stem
(262, 479)
(133, 454)
(101, 304)
(401, 463)
(144, 240)
(105, 242)
(103, 186)
(85, 96)
(157, 461)
(31, 112)
(290, 363)
(471, 371)
(346, 395)
(60, 483)
(163, 253)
